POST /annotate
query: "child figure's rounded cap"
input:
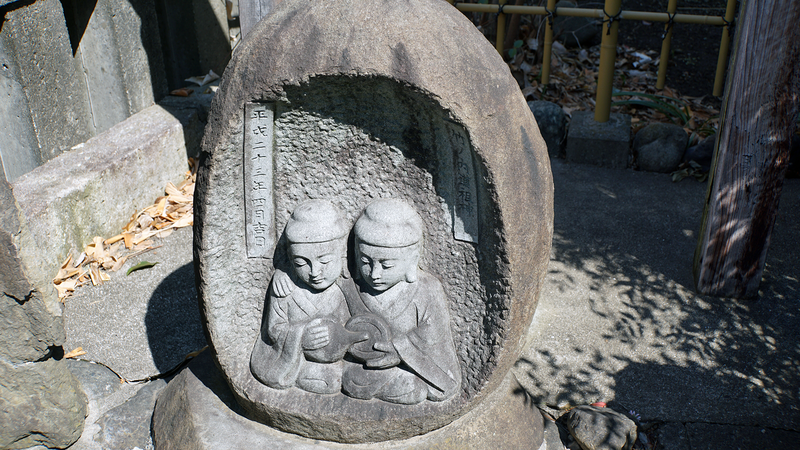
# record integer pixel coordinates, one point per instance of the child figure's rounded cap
(315, 221)
(389, 223)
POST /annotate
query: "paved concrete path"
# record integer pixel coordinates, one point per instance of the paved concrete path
(618, 320)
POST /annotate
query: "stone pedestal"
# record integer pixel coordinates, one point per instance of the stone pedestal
(197, 411)
(605, 144)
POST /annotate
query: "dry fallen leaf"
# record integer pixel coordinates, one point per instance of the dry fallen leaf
(75, 353)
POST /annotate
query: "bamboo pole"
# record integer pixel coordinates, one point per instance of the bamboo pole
(724, 46)
(665, 44)
(594, 13)
(548, 44)
(501, 28)
(608, 53)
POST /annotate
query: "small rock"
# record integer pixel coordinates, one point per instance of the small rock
(701, 153)
(574, 31)
(128, 425)
(600, 428)
(43, 404)
(552, 124)
(659, 147)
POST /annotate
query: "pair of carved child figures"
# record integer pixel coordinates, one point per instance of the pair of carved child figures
(385, 335)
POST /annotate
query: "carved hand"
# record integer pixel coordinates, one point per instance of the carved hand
(316, 336)
(282, 284)
(390, 357)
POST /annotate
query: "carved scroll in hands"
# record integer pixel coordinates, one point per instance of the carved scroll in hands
(395, 344)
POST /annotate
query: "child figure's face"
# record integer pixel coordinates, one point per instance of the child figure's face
(382, 267)
(318, 265)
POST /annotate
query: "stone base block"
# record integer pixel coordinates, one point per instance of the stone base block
(93, 189)
(600, 144)
(197, 411)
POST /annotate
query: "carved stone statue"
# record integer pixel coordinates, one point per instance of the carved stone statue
(303, 340)
(410, 355)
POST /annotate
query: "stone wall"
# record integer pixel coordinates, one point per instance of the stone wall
(72, 69)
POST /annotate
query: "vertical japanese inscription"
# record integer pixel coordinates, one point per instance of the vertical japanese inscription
(259, 206)
(465, 209)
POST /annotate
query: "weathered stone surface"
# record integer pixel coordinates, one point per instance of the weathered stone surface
(366, 115)
(574, 31)
(66, 202)
(36, 34)
(552, 123)
(597, 428)
(40, 403)
(197, 411)
(20, 150)
(128, 425)
(27, 326)
(702, 153)
(601, 144)
(659, 147)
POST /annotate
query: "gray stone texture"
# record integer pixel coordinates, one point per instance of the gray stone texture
(604, 144)
(119, 414)
(552, 123)
(156, 325)
(352, 124)
(29, 324)
(93, 190)
(195, 38)
(659, 147)
(20, 150)
(702, 153)
(574, 31)
(596, 428)
(40, 404)
(197, 411)
(36, 37)
(128, 425)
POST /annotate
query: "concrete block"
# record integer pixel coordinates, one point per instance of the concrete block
(36, 34)
(139, 44)
(600, 144)
(213, 36)
(93, 190)
(19, 150)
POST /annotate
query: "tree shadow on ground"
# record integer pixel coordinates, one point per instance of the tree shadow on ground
(618, 319)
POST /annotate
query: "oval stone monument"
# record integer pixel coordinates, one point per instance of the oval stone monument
(373, 218)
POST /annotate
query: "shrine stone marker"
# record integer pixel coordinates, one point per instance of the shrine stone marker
(373, 218)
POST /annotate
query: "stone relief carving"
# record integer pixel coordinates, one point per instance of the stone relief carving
(385, 335)
(303, 339)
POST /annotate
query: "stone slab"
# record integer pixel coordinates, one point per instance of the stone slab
(619, 320)
(198, 411)
(93, 190)
(143, 324)
(600, 144)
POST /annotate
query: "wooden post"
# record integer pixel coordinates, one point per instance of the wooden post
(752, 150)
(252, 11)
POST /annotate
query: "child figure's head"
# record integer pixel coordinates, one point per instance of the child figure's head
(388, 243)
(317, 238)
